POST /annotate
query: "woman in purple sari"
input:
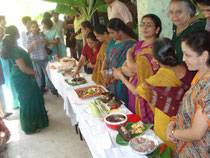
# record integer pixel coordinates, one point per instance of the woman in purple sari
(139, 66)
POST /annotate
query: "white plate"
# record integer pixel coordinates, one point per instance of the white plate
(153, 138)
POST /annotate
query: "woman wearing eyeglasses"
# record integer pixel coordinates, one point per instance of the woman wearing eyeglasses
(138, 66)
(182, 14)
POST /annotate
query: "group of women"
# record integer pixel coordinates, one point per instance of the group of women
(149, 76)
(153, 76)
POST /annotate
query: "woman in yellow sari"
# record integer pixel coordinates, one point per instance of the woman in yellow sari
(165, 89)
(102, 35)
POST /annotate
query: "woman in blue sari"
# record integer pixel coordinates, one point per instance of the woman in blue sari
(8, 89)
(122, 39)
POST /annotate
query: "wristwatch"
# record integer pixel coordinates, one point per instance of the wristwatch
(172, 132)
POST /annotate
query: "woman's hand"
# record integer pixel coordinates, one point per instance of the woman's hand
(107, 76)
(117, 73)
(131, 50)
(89, 64)
(75, 74)
(169, 135)
(35, 74)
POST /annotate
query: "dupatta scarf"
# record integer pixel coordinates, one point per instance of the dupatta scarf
(146, 68)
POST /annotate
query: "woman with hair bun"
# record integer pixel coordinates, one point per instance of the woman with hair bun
(165, 89)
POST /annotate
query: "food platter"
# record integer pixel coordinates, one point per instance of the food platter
(76, 81)
(121, 141)
(143, 145)
(68, 72)
(67, 60)
(90, 91)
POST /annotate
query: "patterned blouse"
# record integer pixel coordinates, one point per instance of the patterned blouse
(196, 97)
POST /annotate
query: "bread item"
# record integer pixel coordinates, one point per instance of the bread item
(124, 133)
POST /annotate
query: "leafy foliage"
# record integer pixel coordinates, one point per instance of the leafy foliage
(88, 7)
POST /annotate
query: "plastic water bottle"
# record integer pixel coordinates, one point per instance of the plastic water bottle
(53, 58)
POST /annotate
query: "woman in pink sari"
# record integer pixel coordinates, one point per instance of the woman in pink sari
(138, 65)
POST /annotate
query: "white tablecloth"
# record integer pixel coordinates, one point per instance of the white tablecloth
(100, 139)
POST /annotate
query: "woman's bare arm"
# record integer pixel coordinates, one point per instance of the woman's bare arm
(126, 70)
(119, 75)
(196, 132)
(21, 64)
(131, 63)
(56, 41)
(80, 64)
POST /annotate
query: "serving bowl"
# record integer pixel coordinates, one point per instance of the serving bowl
(114, 120)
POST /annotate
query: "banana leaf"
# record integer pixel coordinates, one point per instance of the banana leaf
(99, 3)
(73, 3)
(103, 8)
(64, 9)
(90, 6)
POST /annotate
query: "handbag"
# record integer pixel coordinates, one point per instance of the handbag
(48, 50)
(87, 69)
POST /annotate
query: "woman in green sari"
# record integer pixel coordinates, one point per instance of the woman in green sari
(33, 115)
(182, 14)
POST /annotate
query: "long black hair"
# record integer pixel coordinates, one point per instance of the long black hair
(9, 40)
(163, 50)
(117, 25)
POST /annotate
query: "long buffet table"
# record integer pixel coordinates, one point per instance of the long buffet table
(100, 139)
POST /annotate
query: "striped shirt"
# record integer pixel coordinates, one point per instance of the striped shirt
(39, 51)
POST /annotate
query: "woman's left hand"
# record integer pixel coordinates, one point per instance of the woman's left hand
(169, 135)
(117, 73)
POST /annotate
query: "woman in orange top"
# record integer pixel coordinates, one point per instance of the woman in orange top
(190, 128)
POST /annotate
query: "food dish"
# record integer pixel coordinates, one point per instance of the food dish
(143, 145)
(67, 61)
(121, 141)
(114, 120)
(76, 81)
(106, 97)
(90, 91)
(68, 72)
(114, 103)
